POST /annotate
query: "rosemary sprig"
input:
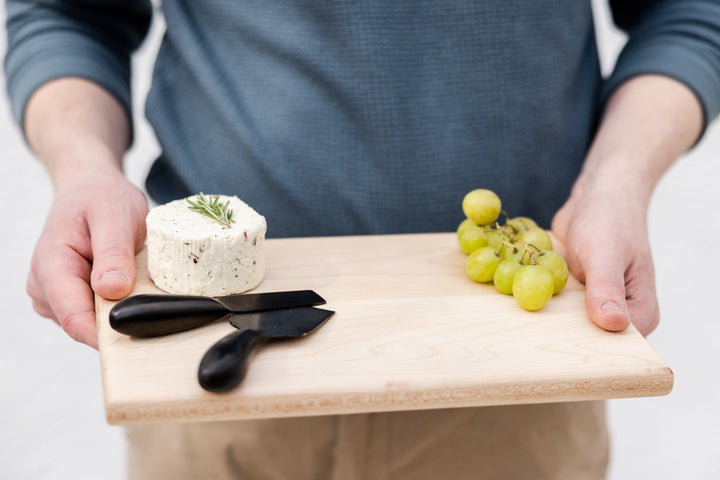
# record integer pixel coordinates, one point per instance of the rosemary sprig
(211, 207)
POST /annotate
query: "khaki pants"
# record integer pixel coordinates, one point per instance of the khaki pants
(544, 441)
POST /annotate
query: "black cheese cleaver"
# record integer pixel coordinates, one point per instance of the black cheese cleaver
(224, 365)
(153, 315)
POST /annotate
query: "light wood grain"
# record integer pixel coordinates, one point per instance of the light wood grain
(411, 331)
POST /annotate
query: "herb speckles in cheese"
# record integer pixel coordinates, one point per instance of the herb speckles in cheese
(192, 254)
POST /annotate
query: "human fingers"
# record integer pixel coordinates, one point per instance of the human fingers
(67, 293)
(117, 232)
(641, 296)
(37, 296)
(617, 295)
(596, 263)
(616, 268)
(605, 294)
(600, 261)
(559, 228)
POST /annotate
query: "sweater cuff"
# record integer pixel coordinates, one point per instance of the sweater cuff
(42, 59)
(697, 71)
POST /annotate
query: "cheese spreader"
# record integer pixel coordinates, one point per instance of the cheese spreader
(153, 315)
(224, 365)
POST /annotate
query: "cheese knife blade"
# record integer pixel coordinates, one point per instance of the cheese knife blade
(153, 315)
(224, 365)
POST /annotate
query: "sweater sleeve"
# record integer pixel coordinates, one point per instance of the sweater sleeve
(49, 39)
(676, 38)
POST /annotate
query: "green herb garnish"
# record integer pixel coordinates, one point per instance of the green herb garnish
(211, 207)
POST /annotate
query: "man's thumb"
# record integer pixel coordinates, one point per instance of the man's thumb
(113, 272)
(605, 301)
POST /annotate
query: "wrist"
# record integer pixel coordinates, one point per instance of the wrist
(617, 177)
(76, 128)
(648, 123)
(78, 166)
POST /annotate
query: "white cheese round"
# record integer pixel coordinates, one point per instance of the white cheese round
(192, 254)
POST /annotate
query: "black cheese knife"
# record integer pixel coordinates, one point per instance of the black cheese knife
(224, 365)
(152, 315)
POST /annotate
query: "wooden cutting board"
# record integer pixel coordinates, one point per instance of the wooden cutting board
(411, 331)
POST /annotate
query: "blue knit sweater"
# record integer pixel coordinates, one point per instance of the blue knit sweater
(373, 116)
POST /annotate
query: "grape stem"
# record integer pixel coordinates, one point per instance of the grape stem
(505, 214)
(531, 255)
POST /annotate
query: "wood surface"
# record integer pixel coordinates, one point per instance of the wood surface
(411, 331)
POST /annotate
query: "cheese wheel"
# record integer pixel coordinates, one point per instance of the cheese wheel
(192, 254)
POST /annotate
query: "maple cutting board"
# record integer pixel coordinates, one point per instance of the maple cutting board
(411, 331)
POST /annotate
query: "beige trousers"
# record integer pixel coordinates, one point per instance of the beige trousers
(544, 441)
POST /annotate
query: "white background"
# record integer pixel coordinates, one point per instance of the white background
(52, 423)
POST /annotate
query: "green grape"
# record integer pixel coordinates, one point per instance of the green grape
(472, 239)
(556, 265)
(464, 226)
(504, 275)
(537, 237)
(495, 239)
(482, 263)
(533, 287)
(482, 206)
(511, 252)
(520, 224)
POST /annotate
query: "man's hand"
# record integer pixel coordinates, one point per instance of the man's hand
(91, 235)
(97, 220)
(607, 248)
(648, 123)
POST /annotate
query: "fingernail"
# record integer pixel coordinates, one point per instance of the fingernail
(611, 306)
(115, 275)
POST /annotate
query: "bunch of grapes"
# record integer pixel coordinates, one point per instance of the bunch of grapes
(516, 256)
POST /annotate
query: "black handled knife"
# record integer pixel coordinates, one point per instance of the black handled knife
(224, 365)
(151, 315)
